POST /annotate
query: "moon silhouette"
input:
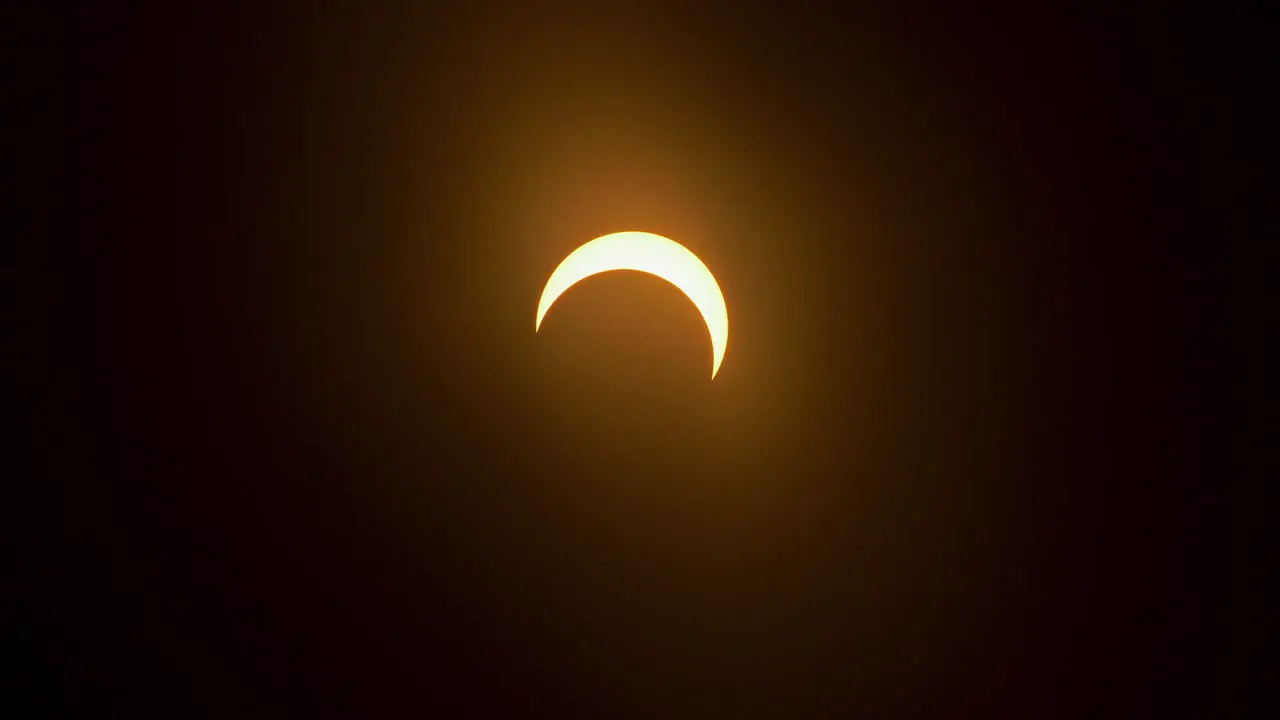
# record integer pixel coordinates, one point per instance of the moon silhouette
(651, 254)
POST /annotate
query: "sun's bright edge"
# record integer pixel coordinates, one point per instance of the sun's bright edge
(653, 254)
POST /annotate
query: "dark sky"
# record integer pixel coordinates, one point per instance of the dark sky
(307, 456)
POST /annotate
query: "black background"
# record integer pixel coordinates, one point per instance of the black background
(305, 453)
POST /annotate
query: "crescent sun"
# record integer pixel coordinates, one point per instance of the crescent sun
(651, 254)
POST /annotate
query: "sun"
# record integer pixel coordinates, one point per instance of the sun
(653, 254)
